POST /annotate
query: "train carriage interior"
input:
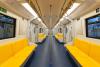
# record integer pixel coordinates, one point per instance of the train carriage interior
(49, 33)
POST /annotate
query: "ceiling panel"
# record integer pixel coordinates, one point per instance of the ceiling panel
(85, 7)
(50, 10)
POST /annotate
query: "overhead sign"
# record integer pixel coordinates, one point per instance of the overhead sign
(3, 10)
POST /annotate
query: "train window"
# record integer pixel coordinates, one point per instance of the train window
(7, 26)
(93, 26)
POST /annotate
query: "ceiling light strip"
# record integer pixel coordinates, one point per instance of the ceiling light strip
(74, 6)
(72, 9)
(29, 8)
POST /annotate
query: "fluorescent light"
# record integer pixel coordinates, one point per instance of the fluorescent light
(44, 25)
(42, 22)
(61, 19)
(29, 8)
(57, 25)
(73, 7)
(39, 19)
(59, 22)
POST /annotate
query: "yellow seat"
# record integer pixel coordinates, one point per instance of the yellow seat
(19, 45)
(13, 54)
(19, 58)
(5, 52)
(83, 45)
(59, 36)
(85, 52)
(41, 36)
(82, 58)
(95, 52)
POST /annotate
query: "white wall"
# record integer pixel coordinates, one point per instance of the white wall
(70, 32)
(31, 32)
(46, 31)
(78, 27)
(23, 27)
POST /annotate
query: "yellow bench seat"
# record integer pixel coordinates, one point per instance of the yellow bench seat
(19, 58)
(81, 57)
(41, 37)
(59, 37)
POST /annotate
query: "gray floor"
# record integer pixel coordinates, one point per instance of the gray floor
(50, 54)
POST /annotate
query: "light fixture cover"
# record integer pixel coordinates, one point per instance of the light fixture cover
(29, 8)
(73, 7)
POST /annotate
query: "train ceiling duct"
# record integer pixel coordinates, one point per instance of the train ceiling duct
(50, 11)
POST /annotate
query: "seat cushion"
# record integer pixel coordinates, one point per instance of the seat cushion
(95, 52)
(41, 37)
(82, 58)
(59, 37)
(19, 58)
(83, 45)
(5, 52)
(19, 45)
